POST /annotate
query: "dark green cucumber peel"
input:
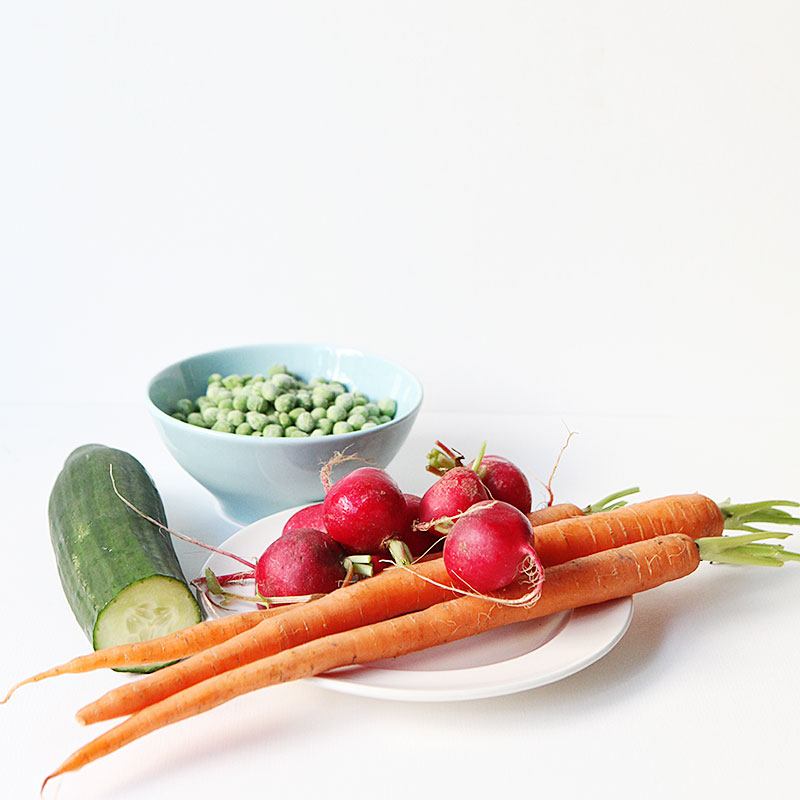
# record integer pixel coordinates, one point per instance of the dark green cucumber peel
(104, 549)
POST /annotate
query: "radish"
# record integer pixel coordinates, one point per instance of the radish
(308, 517)
(301, 562)
(505, 481)
(418, 541)
(457, 490)
(364, 510)
(489, 546)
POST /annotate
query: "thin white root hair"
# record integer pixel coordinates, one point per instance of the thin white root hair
(338, 457)
(178, 535)
(531, 570)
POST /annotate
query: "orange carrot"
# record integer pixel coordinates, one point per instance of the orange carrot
(563, 540)
(170, 647)
(592, 579)
(554, 513)
(397, 591)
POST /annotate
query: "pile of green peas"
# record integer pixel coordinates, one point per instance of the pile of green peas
(281, 404)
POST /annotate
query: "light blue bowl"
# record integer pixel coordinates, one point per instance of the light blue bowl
(253, 477)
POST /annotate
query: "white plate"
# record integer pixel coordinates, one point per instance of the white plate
(503, 661)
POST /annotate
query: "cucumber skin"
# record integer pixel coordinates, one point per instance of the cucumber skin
(102, 546)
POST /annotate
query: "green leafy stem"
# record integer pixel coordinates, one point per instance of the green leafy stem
(746, 516)
(746, 549)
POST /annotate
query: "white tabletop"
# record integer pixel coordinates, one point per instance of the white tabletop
(584, 212)
(707, 670)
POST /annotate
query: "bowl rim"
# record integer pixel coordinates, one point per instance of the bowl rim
(164, 418)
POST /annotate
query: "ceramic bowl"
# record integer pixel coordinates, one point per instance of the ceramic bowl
(252, 477)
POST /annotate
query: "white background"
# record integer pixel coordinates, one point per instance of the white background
(576, 213)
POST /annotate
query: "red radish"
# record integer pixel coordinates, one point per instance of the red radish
(505, 481)
(489, 546)
(308, 517)
(301, 562)
(457, 490)
(364, 510)
(418, 541)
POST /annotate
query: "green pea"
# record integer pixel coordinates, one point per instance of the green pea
(285, 402)
(240, 402)
(226, 403)
(196, 418)
(269, 391)
(356, 421)
(255, 387)
(342, 427)
(317, 382)
(284, 420)
(272, 431)
(323, 392)
(272, 419)
(222, 415)
(229, 381)
(296, 412)
(345, 401)
(258, 378)
(306, 422)
(369, 424)
(255, 402)
(304, 399)
(318, 413)
(215, 377)
(204, 402)
(278, 369)
(290, 429)
(317, 432)
(284, 382)
(320, 401)
(383, 419)
(256, 433)
(214, 391)
(325, 425)
(336, 413)
(370, 409)
(256, 420)
(222, 427)
(185, 406)
(360, 399)
(337, 387)
(235, 418)
(388, 406)
(210, 415)
(179, 416)
(244, 429)
(297, 434)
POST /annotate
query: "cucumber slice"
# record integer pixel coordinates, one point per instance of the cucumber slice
(145, 610)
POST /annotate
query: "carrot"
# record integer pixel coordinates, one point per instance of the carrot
(554, 513)
(396, 591)
(592, 579)
(693, 514)
(179, 644)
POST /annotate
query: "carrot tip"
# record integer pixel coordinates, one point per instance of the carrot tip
(12, 690)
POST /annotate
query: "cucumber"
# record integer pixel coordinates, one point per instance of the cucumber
(120, 573)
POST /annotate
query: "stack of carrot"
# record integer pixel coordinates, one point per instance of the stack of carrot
(587, 560)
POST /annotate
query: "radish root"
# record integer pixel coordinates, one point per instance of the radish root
(176, 534)
(337, 458)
